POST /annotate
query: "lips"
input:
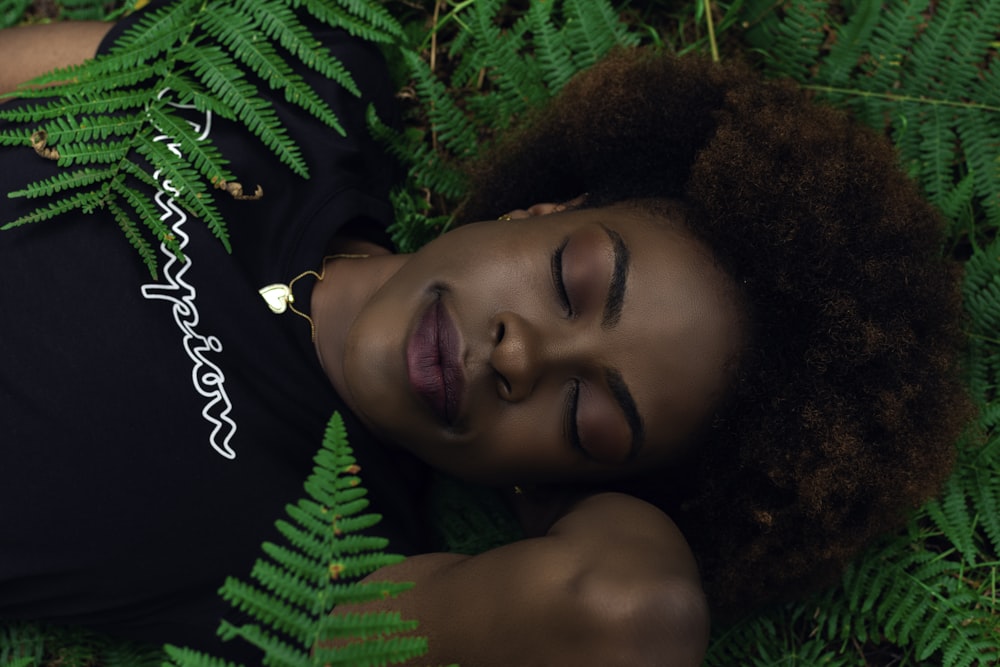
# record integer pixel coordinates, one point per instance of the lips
(433, 365)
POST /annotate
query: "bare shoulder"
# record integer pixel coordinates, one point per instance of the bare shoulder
(611, 583)
(28, 51)
(629, 523)
(645, 589)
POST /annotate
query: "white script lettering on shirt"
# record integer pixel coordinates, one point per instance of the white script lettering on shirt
(206, 376)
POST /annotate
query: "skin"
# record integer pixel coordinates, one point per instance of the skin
(32, 50)
(523, 351)
(607, 579)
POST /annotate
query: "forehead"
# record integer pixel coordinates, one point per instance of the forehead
(678, 331)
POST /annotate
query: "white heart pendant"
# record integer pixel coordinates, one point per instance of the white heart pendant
(277, 297)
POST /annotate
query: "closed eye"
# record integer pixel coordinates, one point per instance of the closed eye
(557, 277)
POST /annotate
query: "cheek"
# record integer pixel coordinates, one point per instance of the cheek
(513, 445)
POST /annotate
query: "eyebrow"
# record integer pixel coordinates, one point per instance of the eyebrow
(616, 292)
(625, 401)
(612, 313)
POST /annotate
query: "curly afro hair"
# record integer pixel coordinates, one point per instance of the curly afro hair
(847, 400)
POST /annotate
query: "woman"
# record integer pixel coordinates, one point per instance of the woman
(724, 307)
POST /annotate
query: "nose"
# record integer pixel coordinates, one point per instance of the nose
(523, 354)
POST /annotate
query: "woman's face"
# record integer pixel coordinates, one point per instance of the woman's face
(581, 345)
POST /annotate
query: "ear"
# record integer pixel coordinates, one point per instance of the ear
(548, 207)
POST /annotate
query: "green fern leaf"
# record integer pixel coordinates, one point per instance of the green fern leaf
(453, 130)
(219, 74)
(295, 602)
(280, 24)
(363, 626)
(148, 214)
(250, 47)
(71, 129)
(594, 27)
(200, 154)
(90, 80)
(374, 652)
(66, 180)
(104, 152)
(366, 591)
(986, 500)
(87, 200)
(952, 516)
(135, 237)
(375, 14)
(332, 15)
(553, 53)
(191, 658)
(267, 608)
(157, 31)
(852, 40)
(518, 82)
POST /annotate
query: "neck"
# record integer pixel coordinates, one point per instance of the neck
(336, 301)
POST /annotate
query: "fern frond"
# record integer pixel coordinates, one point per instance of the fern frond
(424, 166)
(191, 658)
(330, 14)
(362, 626)
(951, 514)
(148, 214)
(66, 180)
(921, 598)
(220, 74)
(791, 44)
(86, 200)
(278, 651)
(366, 591)
(298, 588)
(374, 14)
(154, 33)
(852, 39)
(92, 80)
(518, 82)
(265, 607)
(986, 499)
(374, 652)
(981, 143)
(280, 24)
(453, 129)
(188, 189)
(135, 237)
(594, 26)
(202, 155)
(95, 152)
(554, 55)
(70, 128)
(12, 11)
(252, 49)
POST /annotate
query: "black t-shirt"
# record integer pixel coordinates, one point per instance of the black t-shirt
(153, 431)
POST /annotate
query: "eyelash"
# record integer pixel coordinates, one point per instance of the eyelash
(570, 425)
(573, 400)
(557, 278)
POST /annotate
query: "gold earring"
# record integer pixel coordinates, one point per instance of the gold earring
(505, 217)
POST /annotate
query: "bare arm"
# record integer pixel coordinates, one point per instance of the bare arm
(612, 583)
(28, 51)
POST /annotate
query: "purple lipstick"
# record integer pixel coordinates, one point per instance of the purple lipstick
(433, 364)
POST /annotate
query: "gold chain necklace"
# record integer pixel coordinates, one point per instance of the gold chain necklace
(279, 296)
